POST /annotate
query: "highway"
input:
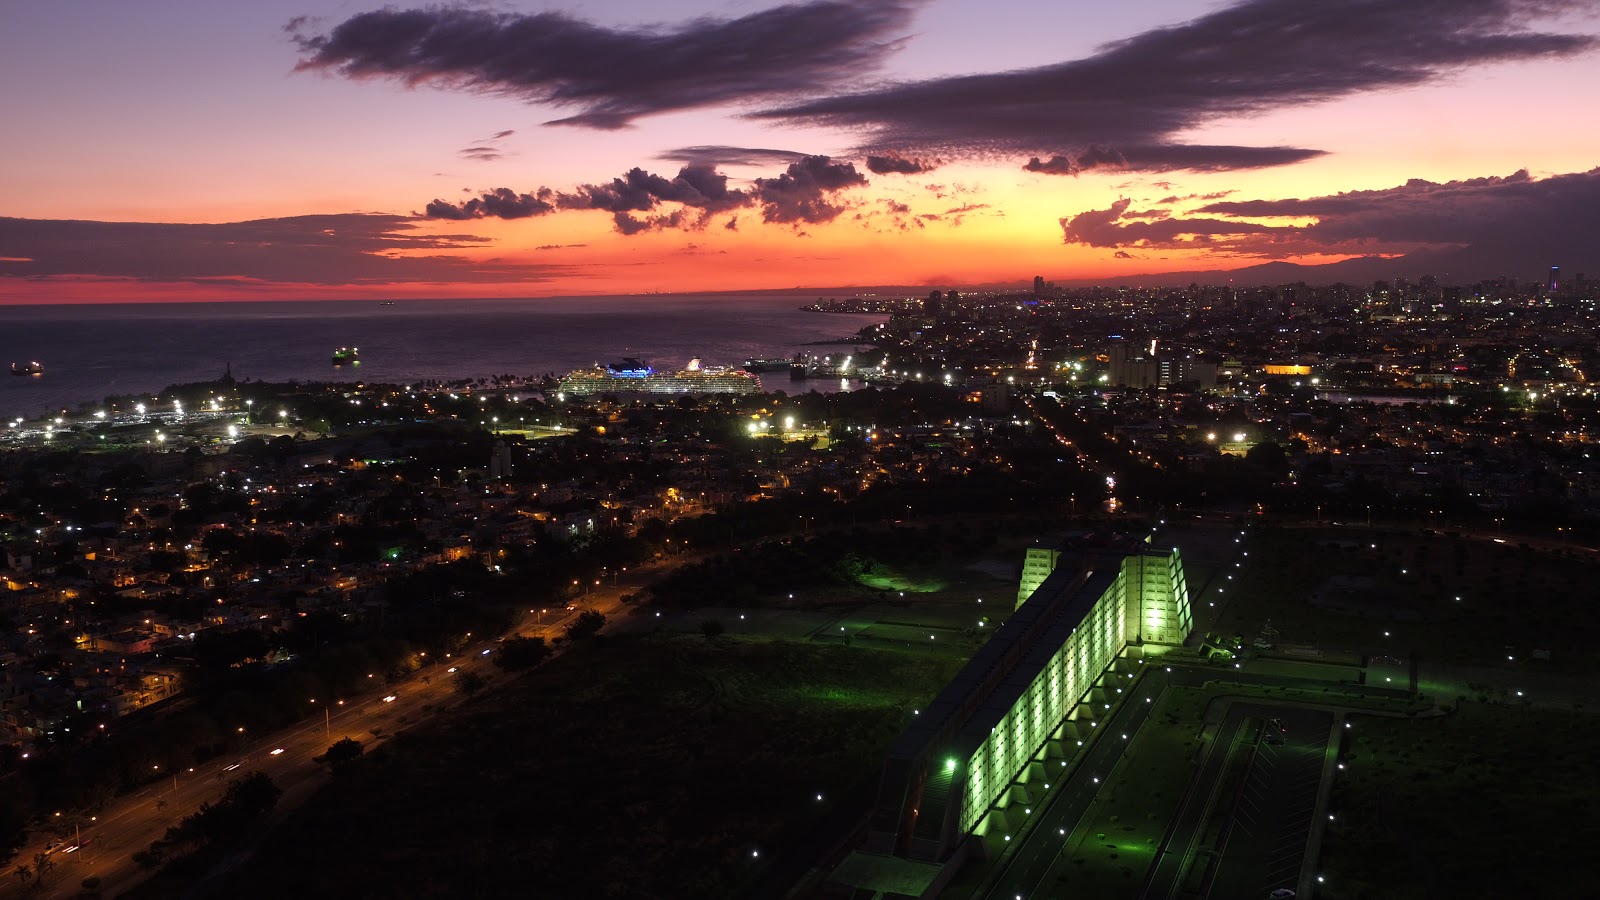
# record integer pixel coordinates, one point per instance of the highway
(132, 821)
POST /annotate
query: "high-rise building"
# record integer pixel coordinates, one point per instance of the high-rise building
(1555, 279)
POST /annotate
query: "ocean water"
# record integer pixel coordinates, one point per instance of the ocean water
(91, 352)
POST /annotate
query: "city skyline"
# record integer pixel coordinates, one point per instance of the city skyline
(305, 150)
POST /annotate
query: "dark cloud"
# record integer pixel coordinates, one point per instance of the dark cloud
(897, 208)
(1134, 97)
(713, 155)
(700, 187)
(1055, 165)
(1123, 254)
(1111, 228)
(559, 246)
(1504, 223)
(895, 164)
(347, 249)
(1171, 158)
(805, 193)
(630, 224)
(1217, 195)
(486, 150)
(613, 76)
(500, 203)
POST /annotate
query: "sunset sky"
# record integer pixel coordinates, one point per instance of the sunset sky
(191, 149)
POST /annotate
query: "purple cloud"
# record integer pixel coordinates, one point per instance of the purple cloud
(714, 155)
(1133, 98)
(613, 76)
(345, 249)
(1502, 223)
(805, 192)
(500, 203)
(895, 164)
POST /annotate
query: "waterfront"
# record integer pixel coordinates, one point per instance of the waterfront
(90, 352)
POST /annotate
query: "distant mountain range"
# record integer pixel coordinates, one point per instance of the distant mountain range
(1460, 265)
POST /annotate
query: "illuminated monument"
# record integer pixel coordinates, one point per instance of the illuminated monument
(1024, 699)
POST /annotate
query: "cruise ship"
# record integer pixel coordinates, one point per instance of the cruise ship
(635, 376)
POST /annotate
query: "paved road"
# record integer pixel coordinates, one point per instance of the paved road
(131, 822)
(1265, 847)
(1030, 864)
(1029, 868)
(1182, 843)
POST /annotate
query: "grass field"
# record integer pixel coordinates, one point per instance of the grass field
(1490, 802)
(640, 767)
(1355, 588)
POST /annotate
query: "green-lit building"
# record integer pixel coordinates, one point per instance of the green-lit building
(1024, 698)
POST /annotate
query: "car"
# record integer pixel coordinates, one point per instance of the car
(232, 767)
(1281, 894)
(277, 752)
(391, 698)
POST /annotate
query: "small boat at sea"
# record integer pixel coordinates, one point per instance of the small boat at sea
(347, 356)
(32, 368)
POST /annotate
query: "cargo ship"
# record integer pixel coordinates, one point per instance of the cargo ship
(347, 356)
(635, 376)
(33, 368)
(768, 365)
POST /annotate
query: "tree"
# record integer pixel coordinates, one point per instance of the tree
(246, 800)
(469, 683)
(43, 865)
(217, 650)
(281, 447)
(340, 754)
(519, 653)
(1268, 456)
(150, 859)
(587, 625)
(13, 829)
(711, 627)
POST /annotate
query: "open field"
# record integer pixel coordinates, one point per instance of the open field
(1449, 600)
(1489, 802)
(652, 766)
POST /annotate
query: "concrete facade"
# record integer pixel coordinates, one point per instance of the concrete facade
(1027, 692)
